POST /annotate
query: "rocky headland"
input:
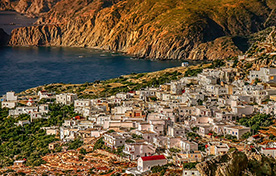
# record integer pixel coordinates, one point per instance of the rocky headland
(145, 28)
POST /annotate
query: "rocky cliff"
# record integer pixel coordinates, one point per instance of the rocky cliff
(31, 8)
(4, 37)
(238, 163)
(161, 29)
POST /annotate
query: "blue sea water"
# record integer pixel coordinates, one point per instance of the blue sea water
(26, 67)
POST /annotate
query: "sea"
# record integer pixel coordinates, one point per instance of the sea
(22, 68)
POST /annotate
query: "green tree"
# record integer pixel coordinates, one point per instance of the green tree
(83, 151)
(246, 135)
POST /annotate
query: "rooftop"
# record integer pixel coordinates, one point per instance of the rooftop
(155, 157)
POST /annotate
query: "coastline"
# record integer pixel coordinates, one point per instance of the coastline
(124, 83)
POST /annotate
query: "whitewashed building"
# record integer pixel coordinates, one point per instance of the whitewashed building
(147, 162)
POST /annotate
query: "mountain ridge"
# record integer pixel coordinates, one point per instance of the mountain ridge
(149, 28)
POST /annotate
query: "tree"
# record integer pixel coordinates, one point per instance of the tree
(83, 151)
(195, 129)
(99, 144)
(272, 137)
(110, 131)
(246, 135)
(75, 144)
(230, 137)
(189, 165)
(174, 150)
(257, 121)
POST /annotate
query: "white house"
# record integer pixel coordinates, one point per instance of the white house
(10, 96)
(176, 131)
(269, 152)
(22, 122)
(147, 162)
(147, 135)
(139, 149)
(114, 140)
(188, 146)
(66, 98)
(176, 88)
(264, 74)
(216, 148)
(237, 131)
(22, 110)
(82, 103)
(224, 116)
(8, 104)
(242, 110)
(191, 172)
(45, 94)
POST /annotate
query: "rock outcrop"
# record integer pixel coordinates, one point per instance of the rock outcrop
(31, 8)
(227, 165)
(151, 29)
(238, 163)
(4, 37)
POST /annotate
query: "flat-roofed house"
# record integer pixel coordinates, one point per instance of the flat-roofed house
(8, 104)
(237, 131)
(139, 148)
(114, 140)
(191, 172)
(66, 98)
(216, 148)
(19, 163)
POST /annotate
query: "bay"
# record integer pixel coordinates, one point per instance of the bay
(22, 68)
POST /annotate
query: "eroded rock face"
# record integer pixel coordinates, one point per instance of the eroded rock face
(144, 28)
(30, 8)
(226, 165)
(238, 163)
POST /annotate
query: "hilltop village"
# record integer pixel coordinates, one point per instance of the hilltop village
(172, 127)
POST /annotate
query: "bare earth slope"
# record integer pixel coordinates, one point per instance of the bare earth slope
(158, 29)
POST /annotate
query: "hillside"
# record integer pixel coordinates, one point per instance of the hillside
(31, 8)
(123, 83)
(157, 29)
(238, 163)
